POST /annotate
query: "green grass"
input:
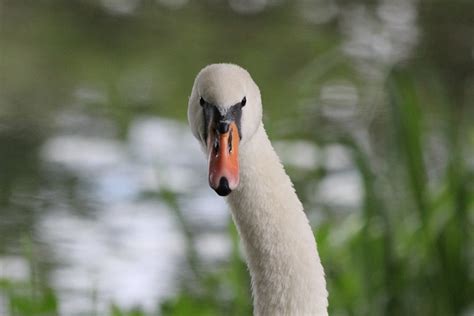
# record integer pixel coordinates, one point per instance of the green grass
(410, 252)
(25, 299)
(408, 249)
(405, 252)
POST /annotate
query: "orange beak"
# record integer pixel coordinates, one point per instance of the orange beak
(224, 160)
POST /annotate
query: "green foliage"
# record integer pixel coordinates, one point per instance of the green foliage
(391, 257)
(408, 249)
(24, 300)
(116, 311)
(225, 292)
(409, 257)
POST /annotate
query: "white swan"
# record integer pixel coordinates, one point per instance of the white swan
(225, 115)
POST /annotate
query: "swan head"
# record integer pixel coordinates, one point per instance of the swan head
(224, 112)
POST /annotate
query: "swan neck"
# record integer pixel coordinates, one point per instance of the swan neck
(287, 275)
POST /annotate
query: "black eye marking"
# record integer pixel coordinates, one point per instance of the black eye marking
(235, 114)
(219, 122)
(210, 114)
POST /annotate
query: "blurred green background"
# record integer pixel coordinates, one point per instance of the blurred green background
(103, 204)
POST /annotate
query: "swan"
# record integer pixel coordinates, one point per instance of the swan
(225, 115)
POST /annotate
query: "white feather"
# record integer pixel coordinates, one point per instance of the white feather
(287, 275)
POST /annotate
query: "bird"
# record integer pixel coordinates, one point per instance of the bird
(225, 115)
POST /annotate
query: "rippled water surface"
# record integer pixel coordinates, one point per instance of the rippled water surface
(103, 189)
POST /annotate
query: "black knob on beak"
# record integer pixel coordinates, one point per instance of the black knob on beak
(223, 127)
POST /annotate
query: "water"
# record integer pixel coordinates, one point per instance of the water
(126, 248)
(93, 132)
(118, 251)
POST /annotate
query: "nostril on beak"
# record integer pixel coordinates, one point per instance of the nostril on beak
(223, 188)
(230, 142)
(216, 145)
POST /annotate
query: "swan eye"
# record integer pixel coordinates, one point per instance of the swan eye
(243, 102)
(202, 102)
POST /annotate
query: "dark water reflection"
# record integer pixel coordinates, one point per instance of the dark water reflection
(93, 101)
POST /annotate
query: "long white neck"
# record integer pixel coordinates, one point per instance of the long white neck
(287, 275)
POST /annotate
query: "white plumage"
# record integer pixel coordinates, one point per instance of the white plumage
(286, 272)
